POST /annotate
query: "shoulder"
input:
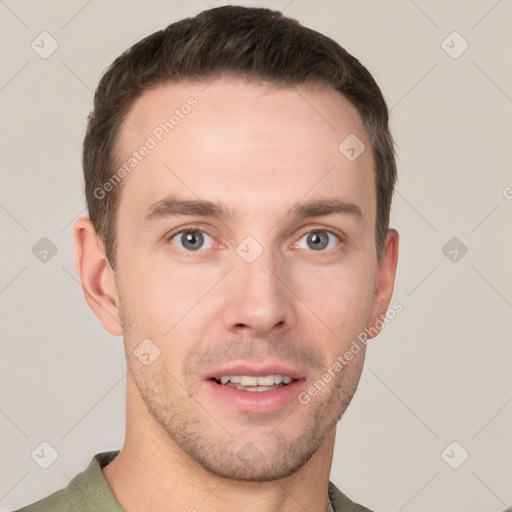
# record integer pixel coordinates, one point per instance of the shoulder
(55, 502)
(342, 503)
(86, 491)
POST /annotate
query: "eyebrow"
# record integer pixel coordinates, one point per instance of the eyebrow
(173, 206)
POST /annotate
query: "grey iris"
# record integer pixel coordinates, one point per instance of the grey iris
(318, 240)
(192, 240)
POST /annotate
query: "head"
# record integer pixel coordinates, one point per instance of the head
(230, 235)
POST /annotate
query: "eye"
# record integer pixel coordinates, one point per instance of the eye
(318, 240)
(192, 240)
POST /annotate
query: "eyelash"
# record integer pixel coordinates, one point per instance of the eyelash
(302, 233)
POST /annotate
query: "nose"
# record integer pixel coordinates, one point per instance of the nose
(259, 299)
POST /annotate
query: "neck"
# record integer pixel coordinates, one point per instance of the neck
(152, 473)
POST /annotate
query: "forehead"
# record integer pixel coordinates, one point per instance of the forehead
(240, 138)
(227, 102)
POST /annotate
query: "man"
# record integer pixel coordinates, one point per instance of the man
(239, 171)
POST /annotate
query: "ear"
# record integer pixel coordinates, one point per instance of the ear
(385, 283)
(96, 276)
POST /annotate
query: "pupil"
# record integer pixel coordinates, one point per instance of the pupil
(192, 240)
(317, 241)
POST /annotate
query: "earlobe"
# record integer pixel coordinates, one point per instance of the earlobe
(96, 276)
(385, 282)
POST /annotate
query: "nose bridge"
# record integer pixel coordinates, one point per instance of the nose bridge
(258, 298)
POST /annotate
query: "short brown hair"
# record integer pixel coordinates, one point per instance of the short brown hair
(256, 43)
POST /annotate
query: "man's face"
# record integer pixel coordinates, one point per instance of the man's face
(260, 288)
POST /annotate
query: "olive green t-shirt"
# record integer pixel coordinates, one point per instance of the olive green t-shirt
(89, 492)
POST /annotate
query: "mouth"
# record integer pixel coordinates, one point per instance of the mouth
(254, 383)
(255, 388)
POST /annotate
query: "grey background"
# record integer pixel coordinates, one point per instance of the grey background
(440, 371)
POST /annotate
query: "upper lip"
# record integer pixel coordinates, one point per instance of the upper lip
(255, 370)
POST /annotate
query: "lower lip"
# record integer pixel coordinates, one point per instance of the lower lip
(256, 401)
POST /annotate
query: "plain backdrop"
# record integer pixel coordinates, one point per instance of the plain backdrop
(429, 428)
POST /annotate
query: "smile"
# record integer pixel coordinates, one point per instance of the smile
(254, 383)
(260, 392)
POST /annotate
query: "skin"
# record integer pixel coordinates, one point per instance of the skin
(260, 150)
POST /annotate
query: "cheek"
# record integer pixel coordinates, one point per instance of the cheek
(341, 297)
(163, 300)
(146, 301)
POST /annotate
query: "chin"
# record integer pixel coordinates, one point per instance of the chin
(249, 464)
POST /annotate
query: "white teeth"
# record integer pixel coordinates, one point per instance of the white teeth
(253, 389)
(262, 381)
(249, 381)
(268, 380)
